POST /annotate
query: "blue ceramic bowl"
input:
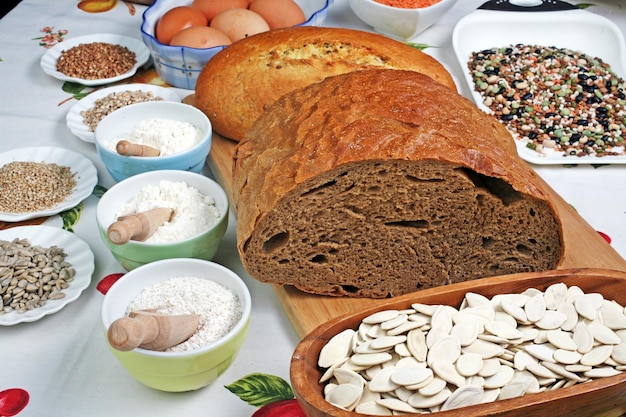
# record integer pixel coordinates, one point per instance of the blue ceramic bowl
(180, 66)
(117, 124)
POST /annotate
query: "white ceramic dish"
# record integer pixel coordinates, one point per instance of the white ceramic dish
(399, 23)
(75, 120)
(86, 177)
(78, 254)
(49, 59)
(573, 29)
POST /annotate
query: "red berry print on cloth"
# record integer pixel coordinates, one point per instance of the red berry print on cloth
(272, 394)
(106, 282)
(604, 236)
(51, 37)
(282, 408)
(12, 401)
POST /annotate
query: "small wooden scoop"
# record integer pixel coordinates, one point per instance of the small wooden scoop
(152, 331)
(138, 226)
(127, 148)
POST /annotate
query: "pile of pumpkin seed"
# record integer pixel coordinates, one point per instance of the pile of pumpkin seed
(431, 358)
(30, 275)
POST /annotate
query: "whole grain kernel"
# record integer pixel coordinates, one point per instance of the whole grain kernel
(34, 186)
(96, 60)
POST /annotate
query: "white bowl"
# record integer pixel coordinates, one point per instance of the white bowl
(399, 23)
(179, 65)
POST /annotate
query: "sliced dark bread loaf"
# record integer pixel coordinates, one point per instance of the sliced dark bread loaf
(378, 183)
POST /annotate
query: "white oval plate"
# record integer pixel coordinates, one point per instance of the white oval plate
(49, 59)
(77, 253)
(75, 120)
(579, 30)
(86, 177)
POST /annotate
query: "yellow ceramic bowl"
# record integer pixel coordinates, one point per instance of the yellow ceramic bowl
(177, 371)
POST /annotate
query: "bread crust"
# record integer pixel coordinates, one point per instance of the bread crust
(238, 83)
(310, 136)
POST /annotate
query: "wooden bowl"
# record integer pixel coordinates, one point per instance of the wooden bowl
(604, 397)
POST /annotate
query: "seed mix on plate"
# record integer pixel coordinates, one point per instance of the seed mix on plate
(553, 98)
(33, 186)
(31, 274)
(96, 61)
(111, 102)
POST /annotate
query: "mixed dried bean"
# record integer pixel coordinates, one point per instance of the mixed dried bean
(553, 98)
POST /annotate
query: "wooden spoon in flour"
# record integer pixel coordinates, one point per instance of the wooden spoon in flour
(151, 331)
(138, 226)
(127, 148)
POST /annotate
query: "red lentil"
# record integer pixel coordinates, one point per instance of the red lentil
(116, 100)
(553, 97)
(408, 4)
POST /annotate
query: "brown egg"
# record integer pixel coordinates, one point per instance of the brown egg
(177, 19)
(211, 8)
(200, 37)
(279, 13)
(239, 23)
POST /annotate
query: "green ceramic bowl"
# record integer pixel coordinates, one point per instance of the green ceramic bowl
(177, 371)
(134, 254)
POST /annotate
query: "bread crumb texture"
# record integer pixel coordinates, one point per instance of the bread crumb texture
(379, 183)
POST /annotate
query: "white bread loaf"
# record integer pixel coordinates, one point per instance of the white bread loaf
(378, 183)
(238, 83)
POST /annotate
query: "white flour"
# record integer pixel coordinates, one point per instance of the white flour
(168, 135)
(219, 307)
(194, 212)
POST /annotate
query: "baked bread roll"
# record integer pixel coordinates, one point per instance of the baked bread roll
(378, 183)
(238, 83)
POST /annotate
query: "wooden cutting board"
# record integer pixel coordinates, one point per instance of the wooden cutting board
(584, 248)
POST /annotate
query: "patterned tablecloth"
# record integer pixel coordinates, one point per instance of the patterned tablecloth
(60, 365)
